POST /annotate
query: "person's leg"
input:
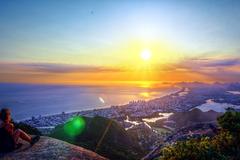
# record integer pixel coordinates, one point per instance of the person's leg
(21, 134)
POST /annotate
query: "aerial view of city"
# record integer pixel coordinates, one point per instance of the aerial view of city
(120, 80)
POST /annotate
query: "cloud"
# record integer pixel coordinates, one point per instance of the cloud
(199, 64)
(198, 69)
(216, 62)
(224, 63)
(53, 68)
(217, 69)
(203, 69)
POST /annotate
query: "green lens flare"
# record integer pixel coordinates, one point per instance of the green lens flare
(74, 126)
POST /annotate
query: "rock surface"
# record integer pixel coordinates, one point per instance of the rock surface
(53, 149)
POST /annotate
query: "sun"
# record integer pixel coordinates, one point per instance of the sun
(146, 55)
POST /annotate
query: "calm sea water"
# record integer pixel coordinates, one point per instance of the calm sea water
(33, 100)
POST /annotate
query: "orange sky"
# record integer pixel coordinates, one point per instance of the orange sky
(203, 70)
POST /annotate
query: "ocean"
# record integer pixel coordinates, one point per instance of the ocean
(27, 100)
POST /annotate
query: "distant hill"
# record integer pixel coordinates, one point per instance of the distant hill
(53, 149)
(194, 116)
(117, 144)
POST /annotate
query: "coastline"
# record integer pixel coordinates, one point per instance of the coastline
(183, 100)
(46, 123)
(40, 100)
(93, 109)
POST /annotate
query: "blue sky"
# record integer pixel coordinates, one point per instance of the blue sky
(29, 28)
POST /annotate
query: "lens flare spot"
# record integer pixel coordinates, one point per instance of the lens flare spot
(101, 99)
(75, 126)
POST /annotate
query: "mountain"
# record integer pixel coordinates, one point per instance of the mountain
(102, 135)
(50, 148)
(194, 116)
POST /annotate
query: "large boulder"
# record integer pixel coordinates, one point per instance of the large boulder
(50, 148)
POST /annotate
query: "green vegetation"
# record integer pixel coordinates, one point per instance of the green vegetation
(224, 146)
(101, 135)
(230, 121)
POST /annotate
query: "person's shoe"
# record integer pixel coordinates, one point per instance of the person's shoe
(34, 140)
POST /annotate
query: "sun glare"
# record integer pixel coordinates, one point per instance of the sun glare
(145, 94)
(146, 55)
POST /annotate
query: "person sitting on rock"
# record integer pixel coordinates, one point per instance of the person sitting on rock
(7, 127)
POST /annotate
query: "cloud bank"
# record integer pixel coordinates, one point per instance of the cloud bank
(197, 69)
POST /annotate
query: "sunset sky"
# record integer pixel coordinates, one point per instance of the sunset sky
(104, 42)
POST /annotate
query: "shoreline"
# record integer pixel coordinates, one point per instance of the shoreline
(182, 99)
(97, 109)
(59, 113)
(118, 112)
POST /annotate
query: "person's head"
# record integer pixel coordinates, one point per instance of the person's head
(5, 115)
